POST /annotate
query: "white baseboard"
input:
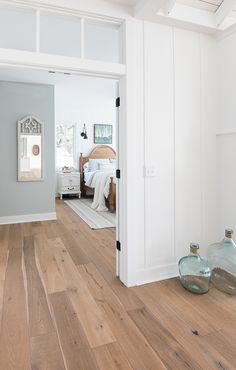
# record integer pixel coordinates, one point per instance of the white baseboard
(156, 273)
(27, 218)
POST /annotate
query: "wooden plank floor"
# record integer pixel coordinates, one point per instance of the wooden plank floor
(62, 308)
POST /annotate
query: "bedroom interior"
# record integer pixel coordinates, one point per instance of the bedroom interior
(86, 129)
(118, 143)
(74, 96)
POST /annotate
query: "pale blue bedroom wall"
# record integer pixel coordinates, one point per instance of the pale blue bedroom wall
(18, 100)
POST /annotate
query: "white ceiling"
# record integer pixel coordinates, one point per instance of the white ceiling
(125, 2)
(213, 16)
(208, 5)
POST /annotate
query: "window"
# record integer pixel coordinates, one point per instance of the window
(17, 28)
(102, 41)
(65, 146)
(60, 35)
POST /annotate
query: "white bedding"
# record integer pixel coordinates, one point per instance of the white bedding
(100, 181)
(87, 176)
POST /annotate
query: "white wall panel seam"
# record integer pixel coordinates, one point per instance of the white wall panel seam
(144, 138)
(174, 148)
(203, 206)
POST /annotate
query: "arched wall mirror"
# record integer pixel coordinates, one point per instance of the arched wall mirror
(30, 149)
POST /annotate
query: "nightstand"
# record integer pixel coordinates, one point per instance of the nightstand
(69, 183)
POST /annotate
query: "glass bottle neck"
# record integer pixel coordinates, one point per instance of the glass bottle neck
(193, 254)
(227, 240)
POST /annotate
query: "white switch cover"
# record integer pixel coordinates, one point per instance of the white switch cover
(150, 171)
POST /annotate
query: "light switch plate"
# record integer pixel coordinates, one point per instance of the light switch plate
(150, 171)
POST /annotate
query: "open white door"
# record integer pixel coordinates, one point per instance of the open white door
(117, 184)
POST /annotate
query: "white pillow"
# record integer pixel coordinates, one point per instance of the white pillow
(112, 160)
(106, 167)
(86, 167)
(93, 163)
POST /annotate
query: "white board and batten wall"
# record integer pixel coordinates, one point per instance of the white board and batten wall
(226, 132)
(180, 100)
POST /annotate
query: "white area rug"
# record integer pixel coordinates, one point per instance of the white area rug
(96, 220)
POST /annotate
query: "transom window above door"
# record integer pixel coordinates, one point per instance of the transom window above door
(60, 33)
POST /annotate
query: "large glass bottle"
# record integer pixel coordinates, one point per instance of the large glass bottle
(222, 260)
(194, 271)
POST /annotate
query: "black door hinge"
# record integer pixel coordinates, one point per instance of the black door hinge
(118, 245)
(118, 174)
(118, 102)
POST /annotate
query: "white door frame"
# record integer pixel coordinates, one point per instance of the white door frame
(131, 131)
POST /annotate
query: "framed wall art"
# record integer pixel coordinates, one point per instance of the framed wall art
(102, 134)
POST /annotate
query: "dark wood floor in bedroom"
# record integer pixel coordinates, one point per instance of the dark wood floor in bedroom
(61, 307)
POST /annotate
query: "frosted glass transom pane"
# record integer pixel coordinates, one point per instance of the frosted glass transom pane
(102, 42)
(17, 28)
(60, 35)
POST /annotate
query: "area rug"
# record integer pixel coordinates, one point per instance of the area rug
(96, 220)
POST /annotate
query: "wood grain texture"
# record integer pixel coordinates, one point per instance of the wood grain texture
(179, 307)
(90, 316)
(225, 346)
(162, 341)
(73, 246)
(111, 357)
(99, 256)
(63, 307)
(46, 353)
(48, 267)
(222, 299)
(40, 321)
(1, 301)
(15, 239)
(220, 317)
(78, 354)
(186, 334)
(4, 237)
(27, 229)
(133, 344)
(14, 338)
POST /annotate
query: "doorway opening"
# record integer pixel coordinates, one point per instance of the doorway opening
(86, 125)
(82, 105)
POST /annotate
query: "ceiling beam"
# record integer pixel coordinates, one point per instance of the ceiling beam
(224, 10)
(145, 8)
(168, 6)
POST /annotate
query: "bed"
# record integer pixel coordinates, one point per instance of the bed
(98, 177)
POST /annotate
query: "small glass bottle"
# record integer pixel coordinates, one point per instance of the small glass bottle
(222, 260)
(195, 273)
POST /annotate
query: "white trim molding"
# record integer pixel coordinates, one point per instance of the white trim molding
(224, 11)
(27, 218)
(104, 12)
(146, 8)
(156, 273)
(27, 59)
(168, 6)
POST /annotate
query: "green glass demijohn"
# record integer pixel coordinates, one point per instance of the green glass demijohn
(194, 271)
(222, 260)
